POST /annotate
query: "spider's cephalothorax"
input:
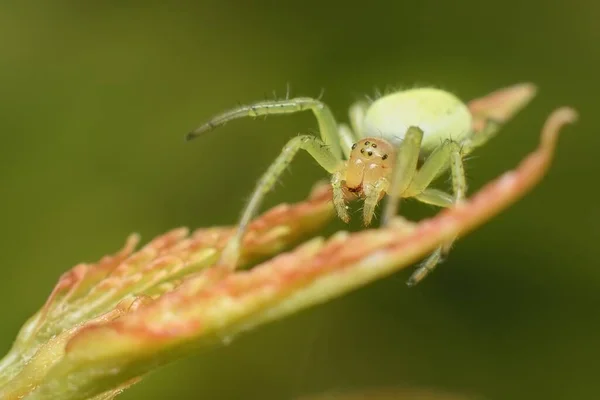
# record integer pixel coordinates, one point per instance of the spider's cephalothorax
(376, 155)
(369, 160)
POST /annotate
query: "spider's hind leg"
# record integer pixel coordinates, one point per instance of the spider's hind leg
(448, 153)
(455, 153)
(357, 113)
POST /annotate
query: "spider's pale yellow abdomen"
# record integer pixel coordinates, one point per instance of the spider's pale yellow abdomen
(440, 114)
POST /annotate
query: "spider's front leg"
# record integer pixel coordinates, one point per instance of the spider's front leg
(317, 149)
(405, 167)
(328, 126)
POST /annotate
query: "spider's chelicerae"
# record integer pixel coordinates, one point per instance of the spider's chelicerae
(377, 155)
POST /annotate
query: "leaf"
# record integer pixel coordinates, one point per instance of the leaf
(89, 294)
(107, 324)
(501, 105)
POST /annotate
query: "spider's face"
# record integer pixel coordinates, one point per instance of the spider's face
(370, 159)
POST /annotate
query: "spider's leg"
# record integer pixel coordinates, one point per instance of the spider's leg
(346, 138)
(436, 163)
(357, 114)
(373, 194)
(435, 197)
(470, 143)
(317, 149)
(474, 140)
(479, 138)
(327, 123)
(452, 151)
(337, 184)
(405, 167)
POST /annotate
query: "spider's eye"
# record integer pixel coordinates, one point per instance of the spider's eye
(362, 151)
(385, 156)
(374, 145)
(370, 153)
(367, 143)
(353, 146)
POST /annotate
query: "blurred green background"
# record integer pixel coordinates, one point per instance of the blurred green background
(96, 99)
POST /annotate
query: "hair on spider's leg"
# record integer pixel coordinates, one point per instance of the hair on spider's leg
(321, 94)
(467, 160)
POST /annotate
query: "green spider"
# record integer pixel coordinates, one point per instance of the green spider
(379, 154)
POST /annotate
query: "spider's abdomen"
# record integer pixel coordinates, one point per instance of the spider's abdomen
(440, 114)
